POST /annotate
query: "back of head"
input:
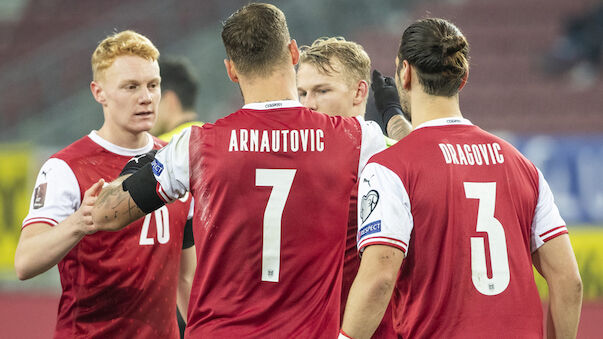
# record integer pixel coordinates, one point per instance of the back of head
(256, 39)
(177, 75)
(323, 51)
(118, 44)
(439, 53)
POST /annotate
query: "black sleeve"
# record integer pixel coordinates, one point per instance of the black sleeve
(142, 186)
(188, 240)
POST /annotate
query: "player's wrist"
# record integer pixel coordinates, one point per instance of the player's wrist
(74, 226)
(391, 111)
(343, 335)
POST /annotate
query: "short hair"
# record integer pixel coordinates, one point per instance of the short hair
(177, 75)
(122, 43)
(256, 38)
(352, 56)
(439, 52)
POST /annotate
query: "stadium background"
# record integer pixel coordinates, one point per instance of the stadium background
(45, 103)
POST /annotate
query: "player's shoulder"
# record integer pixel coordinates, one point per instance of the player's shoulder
(82, 147)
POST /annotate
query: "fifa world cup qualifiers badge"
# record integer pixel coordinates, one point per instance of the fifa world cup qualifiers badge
(368, 204)
(39, 196)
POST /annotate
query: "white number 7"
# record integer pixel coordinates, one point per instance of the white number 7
(486, 193)
(281, 181)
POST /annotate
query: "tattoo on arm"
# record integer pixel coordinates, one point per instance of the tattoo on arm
(398, 127)
(112, 206)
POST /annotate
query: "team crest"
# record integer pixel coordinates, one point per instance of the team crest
(39, 196)
(368, 204)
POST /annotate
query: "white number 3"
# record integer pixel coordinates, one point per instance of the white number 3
(486, 193)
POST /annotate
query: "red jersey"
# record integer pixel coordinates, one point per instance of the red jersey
(115, 284)
(467, 209)
(272, 183)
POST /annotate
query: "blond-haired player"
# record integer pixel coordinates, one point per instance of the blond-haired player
(333, 77)
(114, 284)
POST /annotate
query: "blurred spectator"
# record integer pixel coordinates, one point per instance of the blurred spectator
(179, 87)
(579, 49)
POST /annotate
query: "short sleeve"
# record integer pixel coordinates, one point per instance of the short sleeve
(56, 194)
(373, 141)
(547, 223)
(384, 216)
(171, 167)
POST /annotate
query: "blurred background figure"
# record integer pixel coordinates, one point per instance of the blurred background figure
(579, 49)
(179, 88)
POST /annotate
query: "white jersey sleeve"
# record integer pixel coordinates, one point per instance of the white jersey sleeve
(372, 141)
(170, 167)
(56, 195)
(547, 223)
(384, 216)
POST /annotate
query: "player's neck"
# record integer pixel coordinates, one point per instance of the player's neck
(280, 85)
(123, 138)
(430, 107)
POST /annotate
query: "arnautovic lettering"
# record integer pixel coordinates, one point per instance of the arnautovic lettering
(288, 140)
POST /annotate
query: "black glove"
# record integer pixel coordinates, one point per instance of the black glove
(386, 95)
(137, 162)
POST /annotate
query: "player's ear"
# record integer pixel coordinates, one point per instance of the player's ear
(294, 50)
(406, 75)
(464, 80)
(231, 71)
(361, 92)
(97, 92)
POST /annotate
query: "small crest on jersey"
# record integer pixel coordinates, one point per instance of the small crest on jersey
(39, 196)
(157, 167)
(368, 204)
(371, 228)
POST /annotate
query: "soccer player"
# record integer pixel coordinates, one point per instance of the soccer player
(333, 76)
(114, 284)
(271, 184)
(178, 96)
(452, 217)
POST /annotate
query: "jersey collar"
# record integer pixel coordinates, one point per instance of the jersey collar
(445, 122)
(130, 152)
(273, 104)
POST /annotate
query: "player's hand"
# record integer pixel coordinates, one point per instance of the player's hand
(386, 95)
(84, 213)
(138, 162)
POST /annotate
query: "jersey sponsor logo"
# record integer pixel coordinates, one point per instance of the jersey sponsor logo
(473, 154)
(157, 167)
(39, 196)
(368, 204)
(371, 228)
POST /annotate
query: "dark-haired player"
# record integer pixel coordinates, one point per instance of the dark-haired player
(452, 218)
(271, 184)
